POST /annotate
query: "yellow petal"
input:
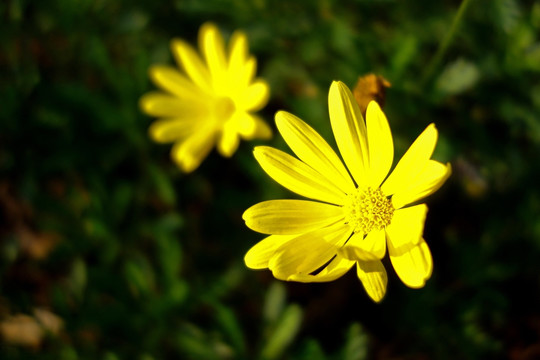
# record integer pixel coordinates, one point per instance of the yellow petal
(228, 141)
(408, 251)
(238, 52)
(297, 176)
(413, 263)
(289, 217)
(407, 224)
(312, 149)
(172, 129)
(244, 77)
(370, 247)
(373, 276)
(412, 163)
(255, 96)
(262, 130)
(334, 270)
(258, 256)
(245, 123)
(172, 81)
(165, 105)
(426, 183)
(307, 252)
(251, 126)
(350, 131)
(190, 153)
(212, 47)
(381, 145)
(188, 59)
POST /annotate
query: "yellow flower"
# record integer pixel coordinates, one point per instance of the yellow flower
(353, 219)
(211, 102)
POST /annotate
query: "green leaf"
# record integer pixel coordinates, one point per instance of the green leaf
(140, 276)
(507, 13)
(457, 77)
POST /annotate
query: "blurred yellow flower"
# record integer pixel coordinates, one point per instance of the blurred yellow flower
(211, 102)
(353, 220)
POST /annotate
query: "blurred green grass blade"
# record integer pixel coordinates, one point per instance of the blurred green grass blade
(356, 346)
(170, 256)
(274, 302)
(312, 351)
(162, 184)
(193, 343)
(283, 333)
(231, 328)
(78, 278)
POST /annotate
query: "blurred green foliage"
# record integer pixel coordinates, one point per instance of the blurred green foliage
(137, 261)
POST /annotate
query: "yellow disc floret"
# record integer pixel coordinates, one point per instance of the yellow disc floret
(367, 210)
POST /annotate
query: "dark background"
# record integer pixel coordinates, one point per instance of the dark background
(108, 252)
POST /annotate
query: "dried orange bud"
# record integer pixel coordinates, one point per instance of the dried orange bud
(370, 87)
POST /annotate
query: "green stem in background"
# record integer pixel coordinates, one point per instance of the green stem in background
(441, 51)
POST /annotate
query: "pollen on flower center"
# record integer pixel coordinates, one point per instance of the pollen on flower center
(223, 108)
(368, 209)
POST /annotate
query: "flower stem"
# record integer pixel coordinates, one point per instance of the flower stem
(441, 51)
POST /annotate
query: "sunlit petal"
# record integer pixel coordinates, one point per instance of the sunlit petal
(247, 73)
(262, 130)
(312, 149)
(228, 141)
(408, 251)
(412, 162)
(380, 143)
(307, 252)
(165, 105)
(190, 153)
(255, 96)
(171, 129)
(212, 47)
(172, 81)
(350, 131)
(188, 59)
(238, 52)
(413, 263)
(334, 270)
(288, 217)
(366, 247)
(258, 256)
(373, 276)
(297, 176)
(426, 183)
(408, 223)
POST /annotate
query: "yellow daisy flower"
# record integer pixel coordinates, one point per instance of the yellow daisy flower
(358, 211)
(211, 102)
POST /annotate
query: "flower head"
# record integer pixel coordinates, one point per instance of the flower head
(211, 102)
(356, 211)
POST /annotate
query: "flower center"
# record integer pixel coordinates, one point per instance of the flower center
(223, 108)
(368, 209)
